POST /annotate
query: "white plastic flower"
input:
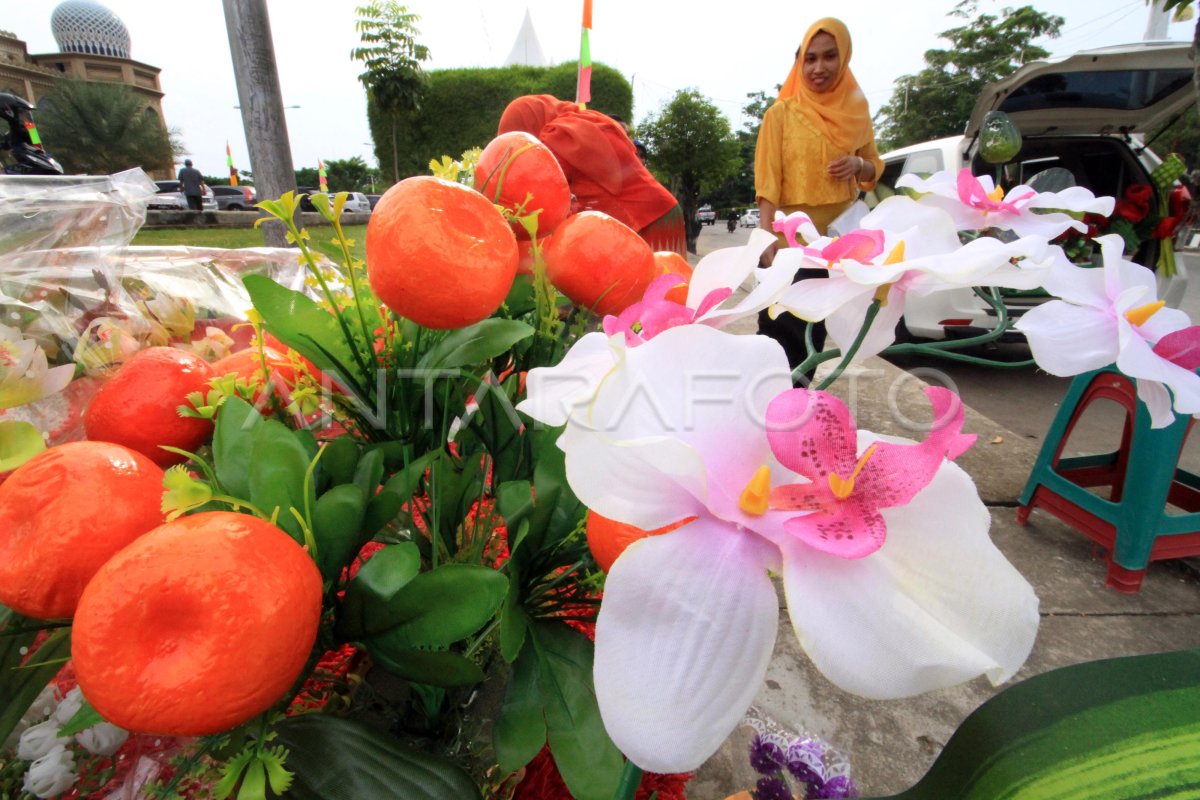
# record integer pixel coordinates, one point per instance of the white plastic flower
(38, 740)
(25, 375)
(893, 585)
(51, 774)
(69, 706)
(976, 204)
(102, 739)
(903, 247)
(1113, 316)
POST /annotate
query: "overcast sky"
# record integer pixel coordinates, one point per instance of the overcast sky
(724, 51)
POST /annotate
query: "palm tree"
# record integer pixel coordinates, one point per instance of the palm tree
(103, 128)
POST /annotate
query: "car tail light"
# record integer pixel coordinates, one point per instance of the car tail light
(246, 191)
(954, 323)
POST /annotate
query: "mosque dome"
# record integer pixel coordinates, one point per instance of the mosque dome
(84, 26)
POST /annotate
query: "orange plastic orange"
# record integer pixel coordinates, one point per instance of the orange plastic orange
(63, 514)
(599, 262)
(138, 406)
(669, 262)
(198, 626)
(525, 172)
(607, 538)
(439, 253)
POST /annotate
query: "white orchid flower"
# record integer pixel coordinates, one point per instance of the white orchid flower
(892, 583)
(976, 204)
(555, 391)
(1113, 316)
(25, 374)
(102, 739)
(38, 740)
(902, 247)
(51, 774)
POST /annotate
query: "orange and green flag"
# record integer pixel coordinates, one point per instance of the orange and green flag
(232, 169)
(583, 88)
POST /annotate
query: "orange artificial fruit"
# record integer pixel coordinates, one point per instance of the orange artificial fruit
(518, 172)
(599, 262)
(138, 406)
(63, 514)
(668, 262)
(607, 538)
(198, 626)
(439, 253)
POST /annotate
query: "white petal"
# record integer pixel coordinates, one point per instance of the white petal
(844, 325)
(1138, 360)
(1158, 402)
(1078, 285)
(815, 299)
(727, 268)
(769, 285)
(684, 636)
(554, 393)
(925, 229)
(1068, 340)
(937, 605)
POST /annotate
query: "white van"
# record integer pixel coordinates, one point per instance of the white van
(1087, 113)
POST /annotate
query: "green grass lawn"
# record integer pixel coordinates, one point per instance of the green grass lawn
(240, 237)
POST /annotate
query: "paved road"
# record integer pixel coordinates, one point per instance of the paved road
(1022, 399)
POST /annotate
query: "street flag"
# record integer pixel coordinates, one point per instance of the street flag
(232, 169)
(31, 129)
(321, 176)
(583, 88)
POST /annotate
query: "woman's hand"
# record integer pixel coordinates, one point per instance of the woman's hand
(845, 168)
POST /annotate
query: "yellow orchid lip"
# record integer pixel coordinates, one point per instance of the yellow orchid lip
(755, 496)
(844, 487)
(1140, 315)
(997, 194)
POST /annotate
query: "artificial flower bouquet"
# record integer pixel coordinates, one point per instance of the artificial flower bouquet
(423, 456)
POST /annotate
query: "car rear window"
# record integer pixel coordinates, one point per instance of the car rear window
(1125, 90)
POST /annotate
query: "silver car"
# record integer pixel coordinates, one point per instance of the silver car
(166, 189)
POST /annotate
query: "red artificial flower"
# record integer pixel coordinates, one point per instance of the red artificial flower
(1096, 224)
(1180, 201)
(1135, 205)
(1165, 229)
(542, 782)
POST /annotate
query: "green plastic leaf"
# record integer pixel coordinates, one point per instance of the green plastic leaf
(369, 471)
(476, 343)
(340, 759)
(520, 729)
(306, 327)
(513, 619)
(435, 668)
(280, 462)
(586, 757)
(1117, 729)
(254, 782)
(20, 687)
(367, 606)
(339, 460)
(183, 493)
(398, 491)
(443, 606)
(81, 720)
(233, 441)
(337, 527)
(1054, 179)
(19, 442)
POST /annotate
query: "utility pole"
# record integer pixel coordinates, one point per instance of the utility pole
(1157, 22)
(250, 43)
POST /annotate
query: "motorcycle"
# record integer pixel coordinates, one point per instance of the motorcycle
(732, 224)
(28, 155)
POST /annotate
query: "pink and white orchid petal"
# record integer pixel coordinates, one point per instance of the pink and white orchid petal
(1121, 275)
(770, 284)
(812, 434)
(925, 229)
(843, 325)
(859, 245)
(815, 299)
(673, 683)
(1182, 347)
(1165, 322)
(1138, 360)
(1157, 401)
(938, 604)
(1076, 199)
(795, 223)
(728, 267)
(1068, 340)
(1078, 285)
(554, 393)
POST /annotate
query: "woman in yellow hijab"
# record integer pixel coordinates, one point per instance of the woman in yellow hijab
(816, 151)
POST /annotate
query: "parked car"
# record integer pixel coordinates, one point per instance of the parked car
(167, 188)
(1086, 113)
(373, 199)
(357, 203)
(234, 198)
(706, 215)
(750, 219)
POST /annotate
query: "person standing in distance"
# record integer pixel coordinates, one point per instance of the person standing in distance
(816, 151)
(191, 183)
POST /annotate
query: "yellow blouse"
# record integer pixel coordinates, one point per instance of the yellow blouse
(791, 159)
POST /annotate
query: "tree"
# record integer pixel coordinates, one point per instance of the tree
(691, 145)
(938, 100)
(738, 189)
(392, 60)
(348, 175)
(103, 128)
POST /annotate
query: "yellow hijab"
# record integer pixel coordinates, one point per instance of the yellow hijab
(840, 114)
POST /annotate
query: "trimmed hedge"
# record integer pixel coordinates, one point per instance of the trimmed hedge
(463, 106)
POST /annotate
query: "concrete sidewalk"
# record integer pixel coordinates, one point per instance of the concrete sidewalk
(892, 743)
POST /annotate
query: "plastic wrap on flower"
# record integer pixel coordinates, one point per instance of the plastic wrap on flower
(46, 212)
(787, 763)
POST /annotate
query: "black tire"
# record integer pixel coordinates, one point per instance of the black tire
(235, 207)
